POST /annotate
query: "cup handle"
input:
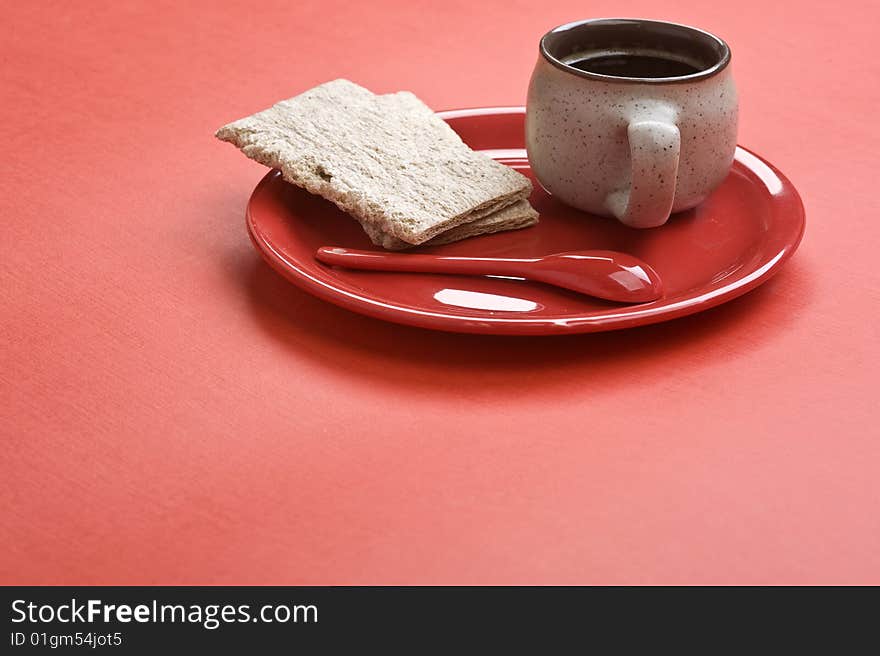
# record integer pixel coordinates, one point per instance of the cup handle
(654, 148)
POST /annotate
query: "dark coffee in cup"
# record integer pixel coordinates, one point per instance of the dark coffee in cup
(624, 64)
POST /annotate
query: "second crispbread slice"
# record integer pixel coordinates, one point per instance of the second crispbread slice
(387, 160)
(513, 217)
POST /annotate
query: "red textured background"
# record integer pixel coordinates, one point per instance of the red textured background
(172, 411)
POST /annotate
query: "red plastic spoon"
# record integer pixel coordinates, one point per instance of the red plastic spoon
(604, 274)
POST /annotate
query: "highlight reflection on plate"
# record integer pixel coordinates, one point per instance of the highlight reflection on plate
(482, 301)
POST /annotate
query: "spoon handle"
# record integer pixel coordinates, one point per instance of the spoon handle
(375, 261)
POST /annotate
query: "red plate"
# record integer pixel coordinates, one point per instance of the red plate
(732, 243)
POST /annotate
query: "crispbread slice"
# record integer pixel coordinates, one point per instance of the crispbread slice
(513, 217)
(387, 160)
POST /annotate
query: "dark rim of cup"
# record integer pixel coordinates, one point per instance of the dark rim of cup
(690, 43)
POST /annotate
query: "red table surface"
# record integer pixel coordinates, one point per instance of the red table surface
(174, 412)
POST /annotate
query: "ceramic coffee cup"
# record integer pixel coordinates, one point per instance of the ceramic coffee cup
(631, 118)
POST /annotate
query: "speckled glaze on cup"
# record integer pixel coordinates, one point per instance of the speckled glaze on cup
(633, 148)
